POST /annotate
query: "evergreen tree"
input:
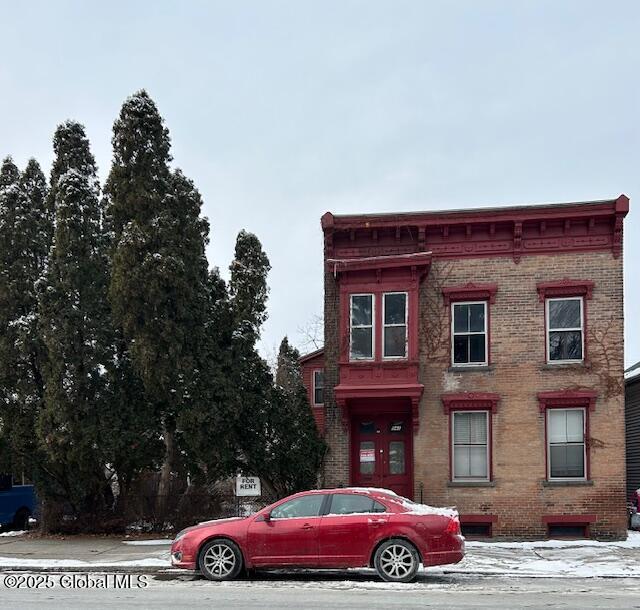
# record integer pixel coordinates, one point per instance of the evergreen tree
(76, 331)
(295, 449)
(158, 286)
(25, 233)
(223, 432)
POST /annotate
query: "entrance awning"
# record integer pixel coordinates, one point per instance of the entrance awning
(412, 391)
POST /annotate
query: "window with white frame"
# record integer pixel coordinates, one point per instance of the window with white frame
(318, 387)
(566, 446)
(565, 329)
(470, 459)
(362, 341)
(394, 332)
(469, 334)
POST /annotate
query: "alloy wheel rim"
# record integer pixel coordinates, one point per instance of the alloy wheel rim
(396, 561)
(220, 560)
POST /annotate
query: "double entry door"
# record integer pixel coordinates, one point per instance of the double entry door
(382, 452)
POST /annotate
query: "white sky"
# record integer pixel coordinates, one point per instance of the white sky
(282, 110)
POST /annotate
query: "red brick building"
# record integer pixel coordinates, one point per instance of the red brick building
(475, 358)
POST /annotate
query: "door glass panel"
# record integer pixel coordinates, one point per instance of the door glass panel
(367, 457)
(306, 506)
(396, 457)
(367, 427)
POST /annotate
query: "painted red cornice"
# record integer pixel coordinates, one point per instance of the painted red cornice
(470, 400)
(470, 292)
(567, 398)
(565, 288)
(484, 232)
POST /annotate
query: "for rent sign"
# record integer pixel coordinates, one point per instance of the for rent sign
(247, 486)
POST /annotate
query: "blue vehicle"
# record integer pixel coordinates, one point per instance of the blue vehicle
(17, 504)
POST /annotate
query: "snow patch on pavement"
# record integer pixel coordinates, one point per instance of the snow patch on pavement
(16, 533)
(632, 542)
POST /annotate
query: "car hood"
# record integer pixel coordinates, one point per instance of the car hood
(217, 521)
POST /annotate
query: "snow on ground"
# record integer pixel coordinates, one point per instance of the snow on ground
(159, 542)
(553, 558)
(632, 542)
(16, 533)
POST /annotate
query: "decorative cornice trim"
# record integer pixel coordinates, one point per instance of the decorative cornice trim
(565, 288)
(567, 398)
(461, 401)
(470, 292)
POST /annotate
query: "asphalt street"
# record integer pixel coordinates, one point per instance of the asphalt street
(335, 590)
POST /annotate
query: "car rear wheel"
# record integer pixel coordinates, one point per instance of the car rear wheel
(220, 560)
(397, 560)
(21, 519)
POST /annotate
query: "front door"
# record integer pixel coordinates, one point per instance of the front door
(382, 452)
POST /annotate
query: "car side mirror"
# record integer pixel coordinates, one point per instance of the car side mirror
(266, 517)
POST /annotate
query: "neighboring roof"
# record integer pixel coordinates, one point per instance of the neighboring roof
(632, 373)
(619, 204)
(311, 355)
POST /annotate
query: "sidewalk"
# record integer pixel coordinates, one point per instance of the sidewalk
(26, 552)
(547, 558)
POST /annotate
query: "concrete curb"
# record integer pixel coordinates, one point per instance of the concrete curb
(95, 569)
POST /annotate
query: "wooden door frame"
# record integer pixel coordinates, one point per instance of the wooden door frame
(376, 408)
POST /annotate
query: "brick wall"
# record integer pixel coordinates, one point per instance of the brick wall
(517, 373)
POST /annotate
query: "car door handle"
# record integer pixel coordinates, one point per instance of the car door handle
(307, 526)
(377, 522)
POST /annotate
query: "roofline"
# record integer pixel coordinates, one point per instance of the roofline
(311, 355)
(618, 205)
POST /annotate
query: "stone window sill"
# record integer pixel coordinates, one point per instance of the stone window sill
(587, 483)
(471, 369)
(471, 484)
(569, 366)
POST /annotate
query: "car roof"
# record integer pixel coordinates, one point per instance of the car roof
(372, 491)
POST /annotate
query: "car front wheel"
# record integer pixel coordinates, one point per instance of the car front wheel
(397, 560)
(220, 560)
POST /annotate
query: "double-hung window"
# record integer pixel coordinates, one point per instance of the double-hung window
(470, 460)
(394, 334)
(565, 329)
(362, 335)
(318, 387)
(469, 333)
(566, 443)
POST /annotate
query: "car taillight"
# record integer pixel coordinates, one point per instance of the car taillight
(453, 527)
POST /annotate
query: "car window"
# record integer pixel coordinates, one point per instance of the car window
(305, 506)
(346, 504)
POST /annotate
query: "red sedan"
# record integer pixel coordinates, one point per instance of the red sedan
(333, 528)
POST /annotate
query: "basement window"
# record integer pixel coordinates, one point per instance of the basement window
(567, 530)
(476, 530)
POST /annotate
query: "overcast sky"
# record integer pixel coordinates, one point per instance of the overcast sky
(281, 111)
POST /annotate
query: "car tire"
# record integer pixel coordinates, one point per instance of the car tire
(21, 519)
(220, 559)
(397, 560)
